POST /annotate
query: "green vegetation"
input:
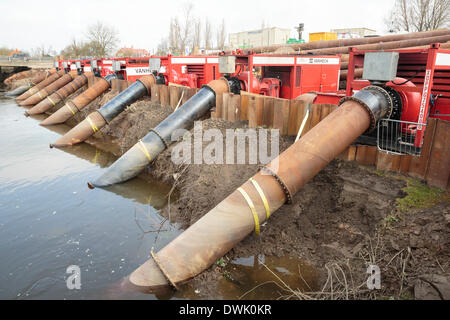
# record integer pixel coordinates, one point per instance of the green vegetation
(221, 262)
(420, 196)
(391, 218)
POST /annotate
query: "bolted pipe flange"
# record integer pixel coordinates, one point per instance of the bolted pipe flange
(166, 144)
(282, 184)
(148, 81)
(377, 102)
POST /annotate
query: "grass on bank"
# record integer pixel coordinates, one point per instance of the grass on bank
(421, 196)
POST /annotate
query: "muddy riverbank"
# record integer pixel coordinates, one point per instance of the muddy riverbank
(347, 218)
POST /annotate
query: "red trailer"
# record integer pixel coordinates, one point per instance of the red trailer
(421, 90)
(283, 76)
(131, 69)
(191, 71)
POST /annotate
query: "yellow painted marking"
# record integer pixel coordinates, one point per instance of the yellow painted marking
(252, 208)
(53, 102)
(262, 195)
(143, 148)
(93, 126)
(73, 112)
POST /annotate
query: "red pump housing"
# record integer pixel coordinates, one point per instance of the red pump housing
(287, 76)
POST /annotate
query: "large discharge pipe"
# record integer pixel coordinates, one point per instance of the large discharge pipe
(17, 76)
(29, 84)
(158, 139)
(51, 77)
(350, 42)
(74, 106)
(246, 208)
(18, 91)
(59, 95)
(99, 118)
(48, 90)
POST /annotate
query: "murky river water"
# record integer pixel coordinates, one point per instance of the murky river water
(50, 220)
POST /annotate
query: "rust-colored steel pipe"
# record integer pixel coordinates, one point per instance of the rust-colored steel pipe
(245, 209)
(358, 74)
(158, 139)
(59, 95)
(350, 42)
(384, 45)
(99, 118)
(48, 90)
(344, 57)
(74, 106)
(52, 76)
(18, 76)
(18, 91)
(29, 84)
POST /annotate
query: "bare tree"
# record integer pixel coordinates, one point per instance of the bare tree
(418, 15)
(103, 38)
(181, 33)
(186, 30)
(208, 34)
(74, 49)
(42, 51)
(163, 47)
(221, 36)
(196, 38)
(173, 43)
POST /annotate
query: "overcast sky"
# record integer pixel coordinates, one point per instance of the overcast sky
(27, 24)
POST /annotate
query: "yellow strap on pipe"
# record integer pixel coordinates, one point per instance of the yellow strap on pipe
(40, 95)
(93, 126)
(262, 195)
(252, 208)
(73, 112)
(144, 150)
(53, 102)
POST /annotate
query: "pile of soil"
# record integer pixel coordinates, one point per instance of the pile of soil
(201, 186)
(341, 216)
(135, 122)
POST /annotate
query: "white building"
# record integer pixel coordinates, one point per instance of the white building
(261, 37)
(349, 33)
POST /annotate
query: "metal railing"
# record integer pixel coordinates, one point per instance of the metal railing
(398, 137)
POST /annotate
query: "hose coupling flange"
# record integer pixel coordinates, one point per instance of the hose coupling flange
(376, 100)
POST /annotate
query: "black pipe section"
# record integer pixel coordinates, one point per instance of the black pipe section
(116, 105)
(157, 140)
(110, 77)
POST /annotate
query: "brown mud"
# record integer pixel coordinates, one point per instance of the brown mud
(342, 221)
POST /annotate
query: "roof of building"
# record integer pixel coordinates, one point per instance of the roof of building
(133, 51)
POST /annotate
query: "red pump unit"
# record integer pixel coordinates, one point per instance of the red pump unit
(131, 69)
(283, 76)
(420, 88)
(190, 71)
